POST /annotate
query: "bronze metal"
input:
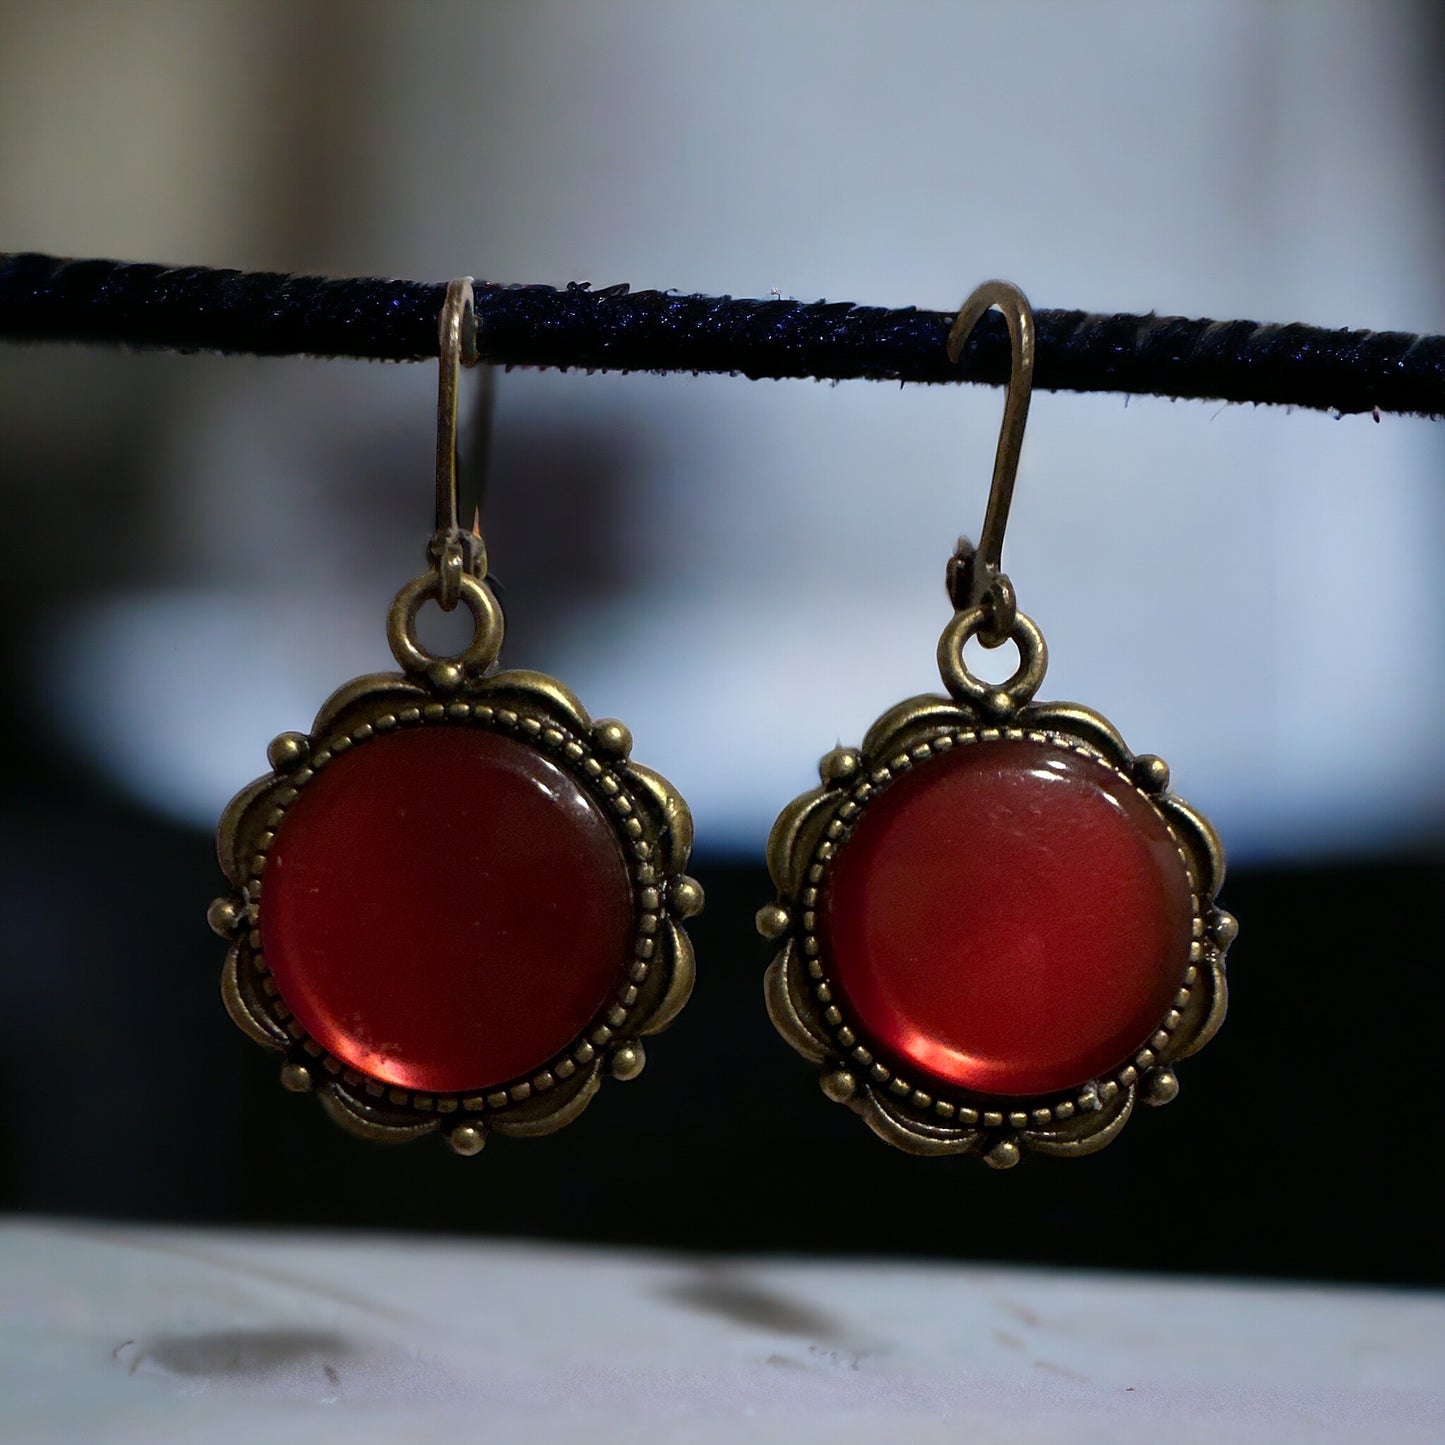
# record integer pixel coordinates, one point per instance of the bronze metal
(916, 1114)
(977, 579)
(650, 819)
(454, 552)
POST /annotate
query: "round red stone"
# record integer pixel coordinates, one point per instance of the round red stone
(445, 909)
(1011, 918)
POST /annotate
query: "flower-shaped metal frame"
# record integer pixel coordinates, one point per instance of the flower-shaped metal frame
(914, 1113)
(651, 822)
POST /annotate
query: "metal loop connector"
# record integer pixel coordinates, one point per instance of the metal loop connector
(996, 698)
(976, 577)
(999, 601)
(479, 654)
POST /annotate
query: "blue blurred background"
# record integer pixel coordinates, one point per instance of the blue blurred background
(197, 549)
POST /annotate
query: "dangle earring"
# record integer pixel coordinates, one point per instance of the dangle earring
(456, 903)
(997, 924)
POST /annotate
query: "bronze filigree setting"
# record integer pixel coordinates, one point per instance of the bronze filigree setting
(917, 1115)
(650, 820)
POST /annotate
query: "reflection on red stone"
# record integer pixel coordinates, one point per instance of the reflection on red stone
(445, 909)
(1010, 918)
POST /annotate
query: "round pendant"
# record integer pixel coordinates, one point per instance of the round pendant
(457, 905)
(997, 924)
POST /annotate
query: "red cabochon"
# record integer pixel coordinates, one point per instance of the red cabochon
(445, 909)
(1010, 918)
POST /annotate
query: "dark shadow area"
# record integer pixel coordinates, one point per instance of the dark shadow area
(730, 1296)
(236, 1354)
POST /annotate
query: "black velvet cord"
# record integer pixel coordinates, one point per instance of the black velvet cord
(193, 308)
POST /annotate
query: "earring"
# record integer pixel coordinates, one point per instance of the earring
(997, 923)
(456, 903)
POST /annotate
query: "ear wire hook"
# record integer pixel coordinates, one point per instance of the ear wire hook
(975, 575)
(451, 550)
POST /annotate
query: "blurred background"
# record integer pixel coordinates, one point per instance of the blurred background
(197, 549)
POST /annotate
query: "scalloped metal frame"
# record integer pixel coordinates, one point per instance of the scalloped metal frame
(651, 821)
(919, 1117)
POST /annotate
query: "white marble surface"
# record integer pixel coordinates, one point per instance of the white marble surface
(111, 1334)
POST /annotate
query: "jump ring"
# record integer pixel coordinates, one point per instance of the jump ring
(966, 688)
(486, 643)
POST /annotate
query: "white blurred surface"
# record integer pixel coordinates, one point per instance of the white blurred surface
(119, 1336)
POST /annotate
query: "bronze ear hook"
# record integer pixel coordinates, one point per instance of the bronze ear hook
(975, 575)
(453, 552)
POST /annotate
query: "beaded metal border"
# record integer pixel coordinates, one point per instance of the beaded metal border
(651, 821)
(800, 996)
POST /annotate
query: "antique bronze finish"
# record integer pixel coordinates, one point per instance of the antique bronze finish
(912, 1113)
(651, 822)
